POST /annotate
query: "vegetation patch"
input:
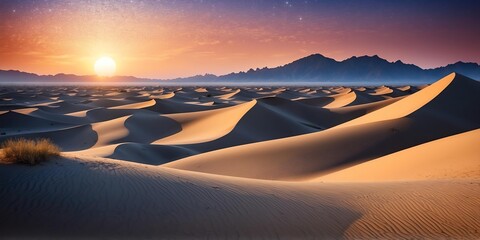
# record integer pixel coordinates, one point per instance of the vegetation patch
(28, 151)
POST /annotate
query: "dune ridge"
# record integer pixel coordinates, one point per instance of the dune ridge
(205, 126)
(407, 105)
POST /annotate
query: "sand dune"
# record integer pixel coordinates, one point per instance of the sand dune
(299, 157)
(245, 162)
(404, 88)
(421, 98)
(14, 123)
(290, 119)
(201, 102)
(343, 99)
(64, 107)
(355, 111)
(163, 96)
(141, 127)
(201, 90)
(107, 103)
(228, 95)
(137, 152)
(84, 138)
(332, 101)
(138, 105)
(383, 90)
(166, 106)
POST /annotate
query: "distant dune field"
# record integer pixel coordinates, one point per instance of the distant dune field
(245, 162)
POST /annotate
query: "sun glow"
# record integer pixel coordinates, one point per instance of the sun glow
(105, 67)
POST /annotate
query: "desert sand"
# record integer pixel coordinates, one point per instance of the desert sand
(245, 162)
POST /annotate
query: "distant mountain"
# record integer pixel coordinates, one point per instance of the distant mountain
(318, 68)
(315, 68)
(8, 76)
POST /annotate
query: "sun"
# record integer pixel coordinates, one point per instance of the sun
(105, 67)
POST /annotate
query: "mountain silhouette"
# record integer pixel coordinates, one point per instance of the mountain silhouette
(318, 68)
(15, 76)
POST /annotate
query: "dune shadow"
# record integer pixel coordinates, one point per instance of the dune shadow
(150, 154)
(148, 127)
(114, 201)
(69, 139)
(317, 101)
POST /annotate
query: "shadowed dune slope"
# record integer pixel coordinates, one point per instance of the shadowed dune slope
(166, 106)
(141, 127)
(64, 118)
(264, 119)
(68, 139)
(118, 117)
(274, 118)
(351, 112)
(14, 123)
(445, 96)
(269, 118)
(333, 101)
(64, 107)
(149, 154)
(138, 105)
(138, 152)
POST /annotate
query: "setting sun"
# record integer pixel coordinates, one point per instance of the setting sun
(105, 67)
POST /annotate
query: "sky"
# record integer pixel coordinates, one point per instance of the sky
(179, 38)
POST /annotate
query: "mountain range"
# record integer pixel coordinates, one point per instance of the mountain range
(315, 68)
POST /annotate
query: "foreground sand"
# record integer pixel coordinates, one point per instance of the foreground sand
(336, 162)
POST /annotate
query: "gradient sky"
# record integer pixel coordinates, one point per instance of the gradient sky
(164, 39)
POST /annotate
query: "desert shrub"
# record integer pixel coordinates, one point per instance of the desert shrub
(28, 151)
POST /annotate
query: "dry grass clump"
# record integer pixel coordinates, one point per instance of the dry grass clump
(28, 151)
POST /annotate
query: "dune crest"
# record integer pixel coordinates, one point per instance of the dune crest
(139, 105)
(206, 125)
(405, 106)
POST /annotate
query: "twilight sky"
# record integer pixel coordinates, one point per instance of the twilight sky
(163, 39)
